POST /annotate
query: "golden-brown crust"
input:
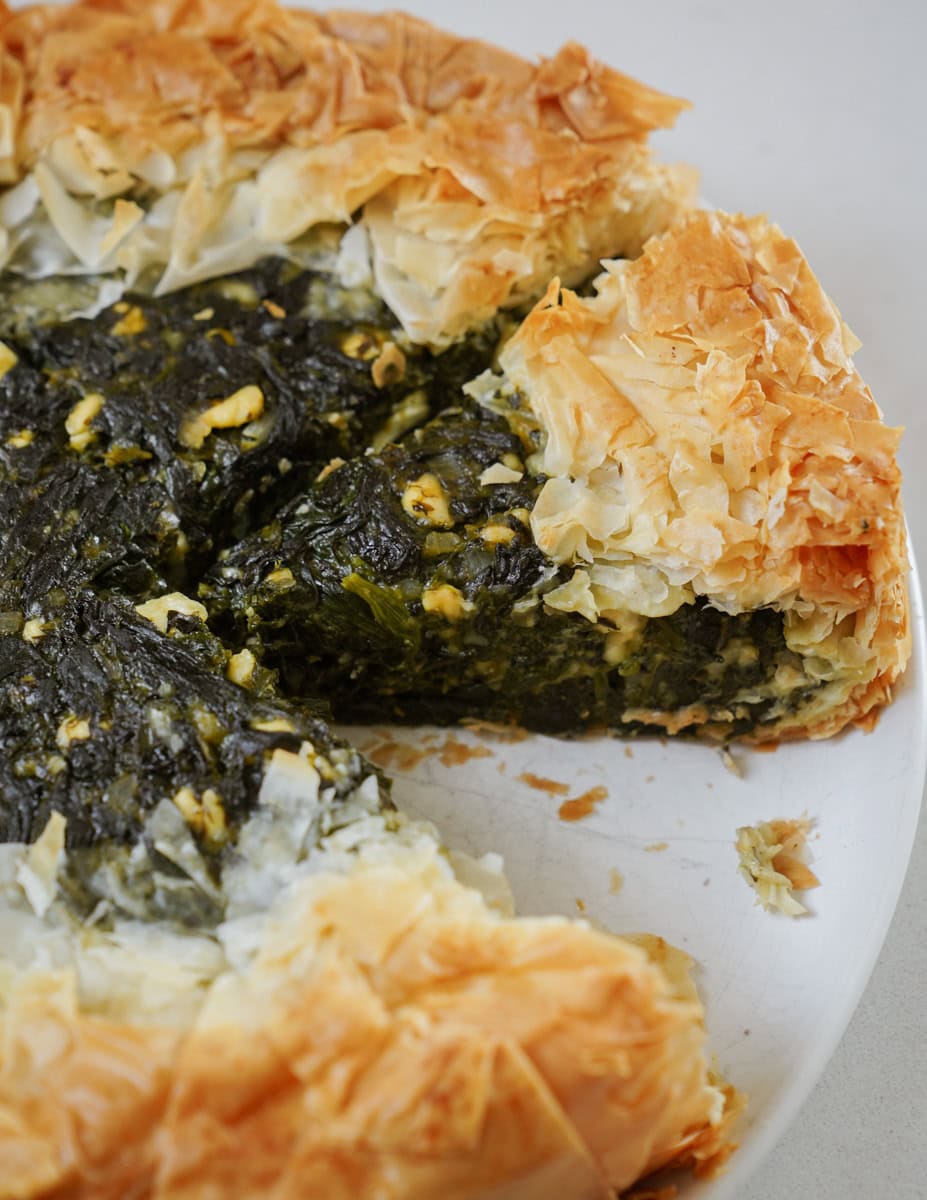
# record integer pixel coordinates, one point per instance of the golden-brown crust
(487, 172)
(160, 71)
(709, 436)
(393, 1039)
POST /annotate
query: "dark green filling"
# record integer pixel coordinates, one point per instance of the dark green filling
(325, 574)
(112, 513)
(90, 528)
(162, 715)
(351, 626)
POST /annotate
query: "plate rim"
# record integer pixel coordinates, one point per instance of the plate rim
(761, 1138)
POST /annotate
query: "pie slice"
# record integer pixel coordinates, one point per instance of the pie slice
(674, 507)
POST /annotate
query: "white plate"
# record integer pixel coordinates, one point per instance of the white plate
(779, 992)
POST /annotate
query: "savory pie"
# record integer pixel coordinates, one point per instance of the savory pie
(671, 509)
(300, 418)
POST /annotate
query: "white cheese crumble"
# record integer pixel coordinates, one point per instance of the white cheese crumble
(157, 611)
(243, 406)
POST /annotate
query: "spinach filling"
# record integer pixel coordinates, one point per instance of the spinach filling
(103, 449)
(104, 718)
(270, 445)
(113, 493)
(437, 614)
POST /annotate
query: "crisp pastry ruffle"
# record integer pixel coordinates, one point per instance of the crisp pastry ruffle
(386, 1034)
(709, 436)
(183, 141)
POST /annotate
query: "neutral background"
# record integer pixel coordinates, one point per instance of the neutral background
(814, 113)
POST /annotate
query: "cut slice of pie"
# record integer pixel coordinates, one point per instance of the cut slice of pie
(675, 506)
(227, 962)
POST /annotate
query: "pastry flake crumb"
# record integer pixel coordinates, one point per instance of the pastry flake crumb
(771, 862)
(397, 755)
(582, 806)
(508, 734)
(730, 762)
(402, 757)
(455, 753)
(552, 787)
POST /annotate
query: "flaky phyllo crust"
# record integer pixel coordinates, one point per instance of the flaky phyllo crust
(381, 1031)
(173, 141)
(708, 436)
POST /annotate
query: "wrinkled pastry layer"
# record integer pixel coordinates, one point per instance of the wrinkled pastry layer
(387, 1034)
(190, 140)
(709, 435)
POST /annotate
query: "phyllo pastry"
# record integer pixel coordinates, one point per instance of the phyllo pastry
(674, 506)
(228, 966)
(173, 142)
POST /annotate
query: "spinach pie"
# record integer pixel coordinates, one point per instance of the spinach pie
(351, 370)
